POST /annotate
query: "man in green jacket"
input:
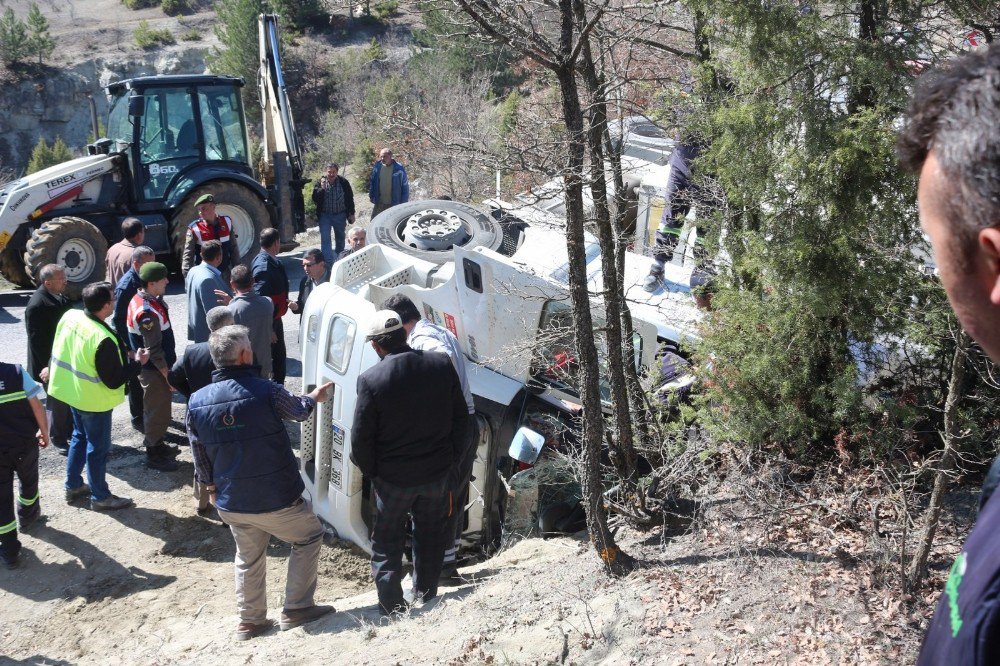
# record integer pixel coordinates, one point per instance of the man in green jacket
(88, 372)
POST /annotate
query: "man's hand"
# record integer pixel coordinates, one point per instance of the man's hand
(274, 338)
(322, 393)
(42, 438)
(293, 306)
(350, 218)
(44, 375)
(142, 355)
(223, 297)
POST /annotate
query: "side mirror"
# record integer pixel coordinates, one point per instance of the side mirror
(136, 106)
(526, 446)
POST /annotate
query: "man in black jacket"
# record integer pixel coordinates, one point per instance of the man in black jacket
(334, 201)
(127, 287)
(193, 371)
(316, 274)
(410, 426)
(271, 280)
(45, 308)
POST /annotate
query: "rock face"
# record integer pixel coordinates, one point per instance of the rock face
(56, 105)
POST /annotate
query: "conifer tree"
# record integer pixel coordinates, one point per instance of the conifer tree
(40, 43)
(14, 41)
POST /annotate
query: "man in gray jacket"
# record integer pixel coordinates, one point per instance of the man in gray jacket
(205, 290)
(256, 313)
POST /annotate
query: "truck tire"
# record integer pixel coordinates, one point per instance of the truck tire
(73, 243)
(472, 227)
(239, 203)
(12, 259)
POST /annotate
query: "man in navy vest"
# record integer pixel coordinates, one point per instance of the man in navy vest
(23, 428)
(951, 141)
(243, 457)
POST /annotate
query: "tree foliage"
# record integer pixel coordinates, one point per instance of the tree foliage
(15, 43)
(237, 55)
(44, 156)
(40, 43)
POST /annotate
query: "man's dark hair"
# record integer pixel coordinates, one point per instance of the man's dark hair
(96, 296)
(211, 250)
(392, 341)
(241, 277)
(269, 237)
(955, 113)
(132, 227)
(402, 306)
(314, 255)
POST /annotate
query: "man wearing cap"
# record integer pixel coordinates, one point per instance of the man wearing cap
(410, 424)
(89, 368)
(126, 289)
(210, 226)
(148, 322)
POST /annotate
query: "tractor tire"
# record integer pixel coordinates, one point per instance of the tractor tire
(12, 259)
(480, 229)
(74, 244)
(239, 203)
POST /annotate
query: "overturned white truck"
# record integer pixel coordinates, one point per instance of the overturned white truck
(499, 283)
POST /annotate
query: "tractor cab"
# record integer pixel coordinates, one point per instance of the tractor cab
(168, 127)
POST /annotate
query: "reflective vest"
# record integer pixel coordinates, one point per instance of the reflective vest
(141, 303)
(73, 370)
(253, 467)
(17, 421)
(222, 232)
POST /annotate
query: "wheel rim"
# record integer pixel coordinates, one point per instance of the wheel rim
(78, 258)
(434, 229)
(246, 231)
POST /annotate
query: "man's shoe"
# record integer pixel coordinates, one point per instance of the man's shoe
(449, 573)
(73, 494)
(248, 630)
(26, 520)
(10, 560)
(137, 424)
(162, 463)
(652, 281)
(111, 503)
(63, 449)
(298, 616)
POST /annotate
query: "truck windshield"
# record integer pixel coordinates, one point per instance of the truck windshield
(556, 362)
(119, 125)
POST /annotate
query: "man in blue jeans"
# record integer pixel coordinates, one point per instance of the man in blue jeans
(334, 201)
(88, 371)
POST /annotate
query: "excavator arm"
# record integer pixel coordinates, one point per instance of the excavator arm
(282, 168)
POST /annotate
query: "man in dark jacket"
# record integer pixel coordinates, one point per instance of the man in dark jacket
(950, 141)
(193, 371)
(244, 458)
(334, 201)
(127, 287)
(315, 274)
(41, 316)
(409, 432)
(271, 280)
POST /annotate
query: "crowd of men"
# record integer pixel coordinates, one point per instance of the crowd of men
(416, 445)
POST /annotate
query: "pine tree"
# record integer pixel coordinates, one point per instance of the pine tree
(14, 41)
(40, 43)
(60, 151)
(237, 31)
(41, 156)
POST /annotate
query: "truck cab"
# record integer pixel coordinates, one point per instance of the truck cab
(509, 310)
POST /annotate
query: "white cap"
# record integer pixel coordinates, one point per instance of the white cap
(384, 321)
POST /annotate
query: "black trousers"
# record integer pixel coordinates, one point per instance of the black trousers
(460, 494)
(428, 504)
(21, 461)
(278, 353)
(135, 398)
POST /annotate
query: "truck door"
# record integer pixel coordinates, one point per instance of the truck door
(339, 354)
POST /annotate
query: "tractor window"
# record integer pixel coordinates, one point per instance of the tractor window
(168, 141)
(222, 122)
(119, 124)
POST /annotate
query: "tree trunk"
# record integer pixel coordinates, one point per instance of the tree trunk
(616, 561)
(951, 434)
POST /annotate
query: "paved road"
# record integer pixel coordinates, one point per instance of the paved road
(14, 345)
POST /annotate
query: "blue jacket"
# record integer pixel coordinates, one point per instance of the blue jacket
(253, 466)
(965, 630)
(126, 288)
(400, 185)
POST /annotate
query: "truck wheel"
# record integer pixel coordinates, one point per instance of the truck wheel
(74, 244)
(12, 259)
(239, 203)
(430, 229)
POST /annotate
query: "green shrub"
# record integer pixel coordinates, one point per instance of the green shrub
(146, 37)
(191, 35)
(140, 4)
(173, 7)
(385, 10)
(43, 156)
